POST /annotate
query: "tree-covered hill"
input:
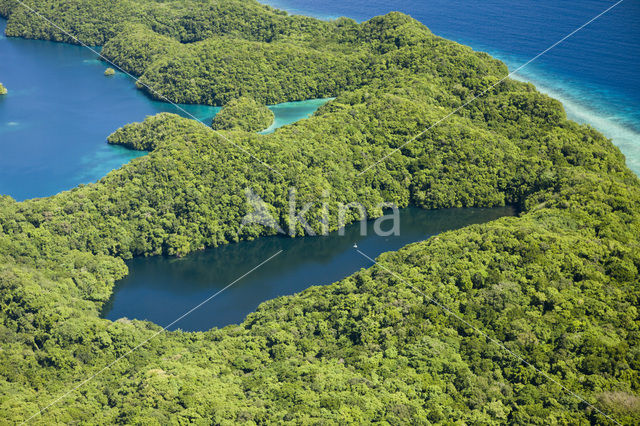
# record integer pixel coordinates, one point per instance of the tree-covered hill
(558, 285)
(94, 22)
(243, 114)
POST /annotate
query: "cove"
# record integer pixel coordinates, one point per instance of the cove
(161, 289)
(290, 112)
(60, 108)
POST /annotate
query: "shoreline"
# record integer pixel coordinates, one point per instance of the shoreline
(621, 134)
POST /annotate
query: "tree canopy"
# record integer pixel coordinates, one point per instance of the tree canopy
(243, 114)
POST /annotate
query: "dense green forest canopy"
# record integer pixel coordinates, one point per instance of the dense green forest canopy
(243, 114)
(558, 284)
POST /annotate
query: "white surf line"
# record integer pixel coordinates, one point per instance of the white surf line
(164, 98)
(490, 87)
(485, 335)
(107, 367)
(613, 125)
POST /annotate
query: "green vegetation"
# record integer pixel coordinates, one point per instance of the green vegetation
(3, 90)
(558, 284)
(243, 114)
(109, 72)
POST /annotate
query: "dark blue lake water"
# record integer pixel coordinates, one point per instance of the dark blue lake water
(161, 289)
(60, 109)
(594, 73)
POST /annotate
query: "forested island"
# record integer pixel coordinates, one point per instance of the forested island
(3, 90)
(558, 284)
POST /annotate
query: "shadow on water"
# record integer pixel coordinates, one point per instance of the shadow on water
(161, 289)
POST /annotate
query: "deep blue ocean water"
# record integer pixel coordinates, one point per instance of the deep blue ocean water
(60, 109)
(595, 73)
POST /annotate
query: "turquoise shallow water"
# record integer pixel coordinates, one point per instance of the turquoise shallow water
(60, 109)
(594, 73)
(290, 112)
